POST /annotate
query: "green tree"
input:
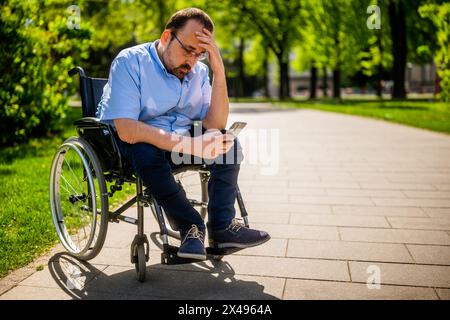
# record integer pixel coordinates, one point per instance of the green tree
(440, 16)
(276, 21)
(333, 35)
(38, 48)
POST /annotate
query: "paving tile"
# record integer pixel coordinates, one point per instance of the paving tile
(427, 254)
(332, 290)
(272, 248)
(322, 184)
(342, 250)
(330, 200)
(396, 186)
(62, 272)
(444, 294)
(268, 183)
(117, 256)
(289, 267)
(255, 207)
(290, 191)
(419, 177)
(420, 223)
(339, 220)
(437, 212)
(364, 193)
(379, 211)
(5, 287)
(298, 231)
(36, 293)
(394, 235)
(403, 274)
(39, 293)
(265, 198)
(427, 194)
(269, 217)
(411, 202)
(441, 186)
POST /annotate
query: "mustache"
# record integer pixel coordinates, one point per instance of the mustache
(184, 66)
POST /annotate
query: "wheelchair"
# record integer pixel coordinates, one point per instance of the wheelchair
(83, 168)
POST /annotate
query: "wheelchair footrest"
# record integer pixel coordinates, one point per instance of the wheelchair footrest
(169, 256)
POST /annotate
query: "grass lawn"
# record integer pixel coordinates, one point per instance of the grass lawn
(417, 113)
(26, 228)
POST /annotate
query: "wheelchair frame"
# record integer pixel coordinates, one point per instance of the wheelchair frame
(98, 144)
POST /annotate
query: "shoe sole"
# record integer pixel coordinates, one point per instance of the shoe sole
(192, 256)
(227, 245)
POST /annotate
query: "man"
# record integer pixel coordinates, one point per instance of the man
(154, 94)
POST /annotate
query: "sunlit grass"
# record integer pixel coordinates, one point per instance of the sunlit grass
(417, 113)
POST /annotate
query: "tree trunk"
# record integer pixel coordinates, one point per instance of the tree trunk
(379, 87)
(399, 49)
(241, 75)
(284, 77)
(313, 82)
(325, 82)
(161, 15)
(266, 73)
(337, 83)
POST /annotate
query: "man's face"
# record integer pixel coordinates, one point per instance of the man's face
(175, 58)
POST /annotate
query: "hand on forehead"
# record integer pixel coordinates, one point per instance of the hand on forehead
(188, 33)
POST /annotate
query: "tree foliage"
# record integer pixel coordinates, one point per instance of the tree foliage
(440, 16)
(38, 48)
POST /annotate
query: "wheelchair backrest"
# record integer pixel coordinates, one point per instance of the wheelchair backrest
(91, 90)
(101, 136)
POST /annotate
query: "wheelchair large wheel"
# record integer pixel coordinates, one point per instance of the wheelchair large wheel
(194, 181)
(79, 199)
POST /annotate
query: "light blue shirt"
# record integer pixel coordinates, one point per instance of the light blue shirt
(139, 87)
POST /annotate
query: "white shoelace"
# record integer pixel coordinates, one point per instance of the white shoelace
(236, 225)
(194, 233)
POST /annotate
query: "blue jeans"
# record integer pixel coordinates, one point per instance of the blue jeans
(154, 166)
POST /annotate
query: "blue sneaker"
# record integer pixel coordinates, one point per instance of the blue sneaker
(237, 235)
(192, 244)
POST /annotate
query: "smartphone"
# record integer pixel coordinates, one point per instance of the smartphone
(236, 128)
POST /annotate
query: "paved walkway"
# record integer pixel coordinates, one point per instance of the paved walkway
(354, 200)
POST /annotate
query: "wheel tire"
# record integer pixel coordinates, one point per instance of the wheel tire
(78, 192)
(140, 263)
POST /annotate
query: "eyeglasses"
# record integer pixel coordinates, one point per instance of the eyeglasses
(190, 53)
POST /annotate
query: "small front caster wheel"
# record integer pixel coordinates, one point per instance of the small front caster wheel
(139, 263)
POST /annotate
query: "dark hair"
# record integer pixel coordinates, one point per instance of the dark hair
(179, 19)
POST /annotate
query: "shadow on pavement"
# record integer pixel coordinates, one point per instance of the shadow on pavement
(81, 280)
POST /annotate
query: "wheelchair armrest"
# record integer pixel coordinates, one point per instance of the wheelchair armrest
(89, 122)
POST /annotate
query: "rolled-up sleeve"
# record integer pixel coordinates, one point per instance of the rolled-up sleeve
(122, 96)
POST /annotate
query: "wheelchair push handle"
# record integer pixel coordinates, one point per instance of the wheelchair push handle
(76, 70)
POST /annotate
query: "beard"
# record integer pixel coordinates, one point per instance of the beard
(181, 70)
